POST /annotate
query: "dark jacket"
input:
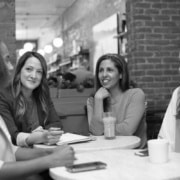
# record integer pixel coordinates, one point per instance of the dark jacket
(7, 111)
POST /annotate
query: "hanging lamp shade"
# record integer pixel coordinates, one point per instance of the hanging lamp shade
(28, 46)
(58, 42)
(48, 49)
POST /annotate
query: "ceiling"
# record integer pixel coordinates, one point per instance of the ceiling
(34, 17)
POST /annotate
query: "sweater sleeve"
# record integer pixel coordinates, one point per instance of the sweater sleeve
(95, 127)
(133, 113)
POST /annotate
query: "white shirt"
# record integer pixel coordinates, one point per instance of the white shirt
(7, 150)
(168, 127)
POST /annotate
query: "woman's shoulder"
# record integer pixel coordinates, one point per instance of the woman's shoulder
(136, 91)
(176, 93)
(176, 90)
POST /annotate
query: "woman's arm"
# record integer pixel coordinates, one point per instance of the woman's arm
(95, 110)
(133, 114)
(39, 135)
(61, 156)
(31, 153)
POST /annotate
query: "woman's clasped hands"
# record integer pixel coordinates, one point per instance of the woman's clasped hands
(102, 93)
(48, 137)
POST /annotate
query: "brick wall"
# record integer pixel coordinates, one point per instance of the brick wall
(7, 25)
(154, 46)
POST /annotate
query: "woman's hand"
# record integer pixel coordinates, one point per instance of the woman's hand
(49, 137)
(53, 136)
(102, 93)
(62, 156)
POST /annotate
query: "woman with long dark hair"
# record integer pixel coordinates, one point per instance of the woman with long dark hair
(113, 93)
(26, 106)
(24, 163)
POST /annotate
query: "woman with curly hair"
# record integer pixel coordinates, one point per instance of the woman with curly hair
(26, 106)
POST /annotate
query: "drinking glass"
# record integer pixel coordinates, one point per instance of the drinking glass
(109, 125)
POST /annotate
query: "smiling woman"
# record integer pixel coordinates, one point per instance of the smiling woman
(113, 93)
(31, 75)
(26, 106)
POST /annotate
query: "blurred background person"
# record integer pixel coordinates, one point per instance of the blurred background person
(59, 84)
(6, 56)
(82, 73)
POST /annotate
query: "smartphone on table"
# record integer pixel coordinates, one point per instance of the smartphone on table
(89, 166)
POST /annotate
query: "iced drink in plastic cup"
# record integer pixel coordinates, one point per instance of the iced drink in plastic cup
(109, 125)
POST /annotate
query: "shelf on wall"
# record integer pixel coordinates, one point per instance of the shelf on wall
(52, 70)
(64, 63)
(122, 34)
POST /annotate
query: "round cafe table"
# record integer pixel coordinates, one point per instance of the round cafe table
(99, 149)
(121, 164)
(100, 143)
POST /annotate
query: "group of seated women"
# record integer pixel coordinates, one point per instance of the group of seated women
(30, 117)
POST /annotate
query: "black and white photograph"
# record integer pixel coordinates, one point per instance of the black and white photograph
(90, 89)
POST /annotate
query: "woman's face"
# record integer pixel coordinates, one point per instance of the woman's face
(31, 74)
(108, 74)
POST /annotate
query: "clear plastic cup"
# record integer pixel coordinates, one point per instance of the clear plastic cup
(109, 121)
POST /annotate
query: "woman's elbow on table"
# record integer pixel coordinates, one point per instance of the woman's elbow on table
(97, 133)
(125, 131)
(96, 130)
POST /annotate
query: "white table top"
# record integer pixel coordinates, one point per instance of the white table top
(120, 142)
(121, 164)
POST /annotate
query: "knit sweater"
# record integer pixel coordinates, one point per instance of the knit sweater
(130, 115)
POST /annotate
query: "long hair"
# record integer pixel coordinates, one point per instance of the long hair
(120, 64)
(40, 94)
(4, 74)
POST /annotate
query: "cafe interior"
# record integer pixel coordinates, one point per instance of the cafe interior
(68, 32)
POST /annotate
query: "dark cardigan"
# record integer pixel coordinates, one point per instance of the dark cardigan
(7, 111)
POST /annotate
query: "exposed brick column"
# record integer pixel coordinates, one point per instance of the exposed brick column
(7, 26)
(154, 46)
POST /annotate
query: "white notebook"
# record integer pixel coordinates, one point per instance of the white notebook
(69, 138)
